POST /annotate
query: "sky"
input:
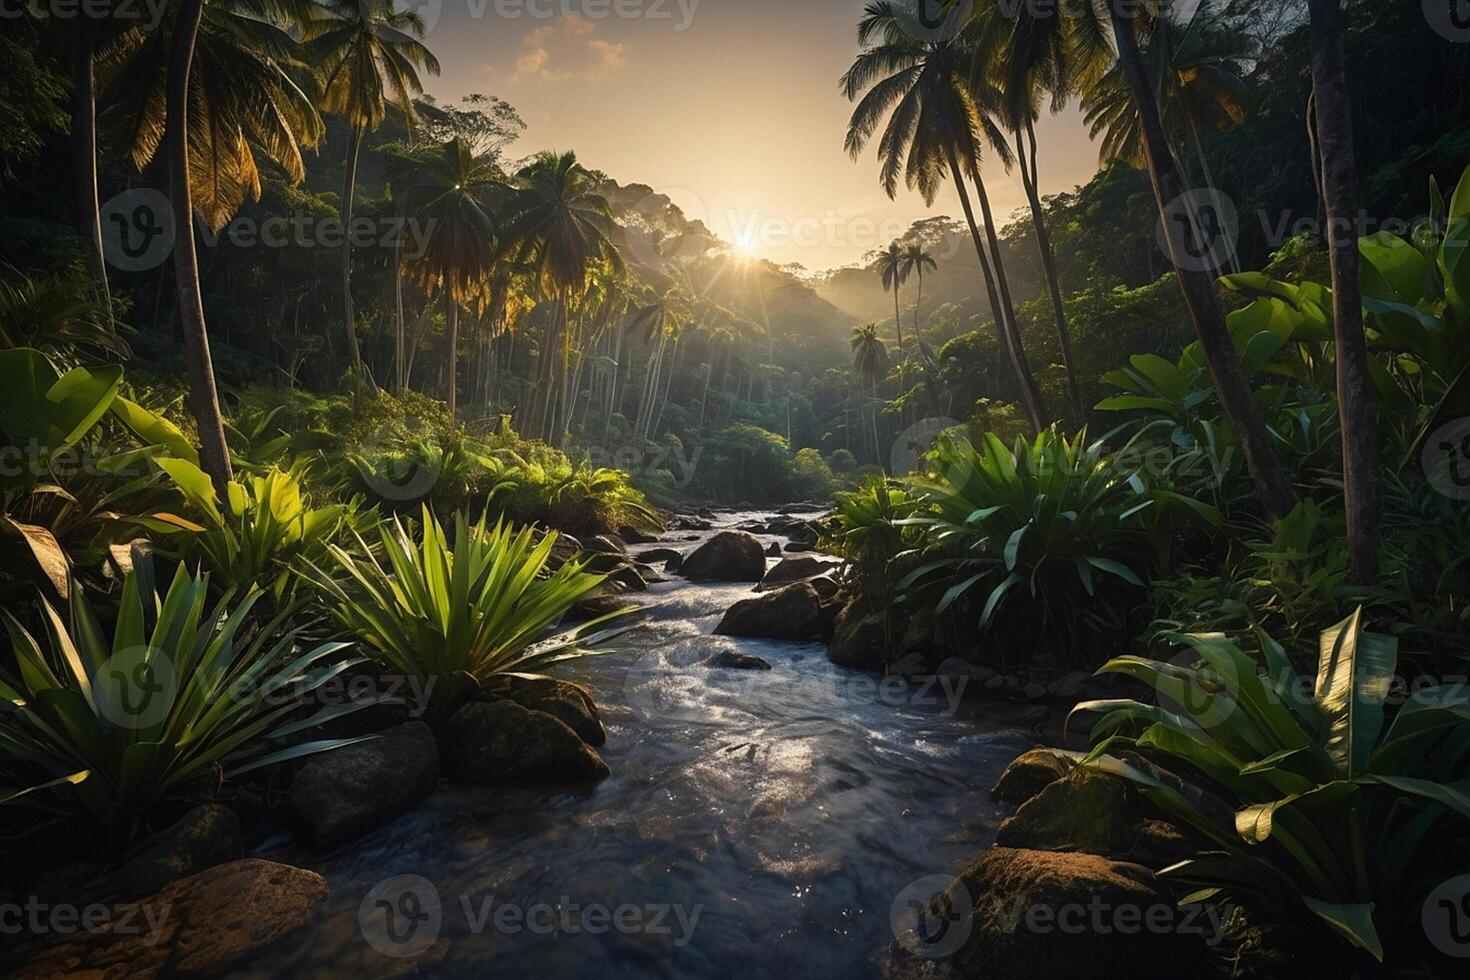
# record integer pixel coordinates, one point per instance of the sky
(730, 107)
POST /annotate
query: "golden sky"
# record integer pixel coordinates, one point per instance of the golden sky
(730, 107)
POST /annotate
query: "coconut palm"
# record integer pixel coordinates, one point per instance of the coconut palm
(870, 363)
(452, 201)
(1198, 67)
(935, 130)
(659, 322)
(915, 260)
(1340, 193)
(563, 228)
(1231, 386)
(1034, 53)
(369, 53)
(213, 86)
(893, 268)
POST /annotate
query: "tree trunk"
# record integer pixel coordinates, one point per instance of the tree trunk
(1026, 155)
(1030, 403)
(349, 185)
(898, 323)
(1236, 399)
(214, 454)
(1204, 166)
(1340, 193)
(451, 355)
(400, 363)
(84, 153)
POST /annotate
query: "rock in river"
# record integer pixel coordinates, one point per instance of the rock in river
(789, 570)
(792, 613)
(502, 742)
(730, 556)
(347, 792)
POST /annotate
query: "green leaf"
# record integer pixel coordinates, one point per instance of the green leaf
(1354, 922)
(1354, 674)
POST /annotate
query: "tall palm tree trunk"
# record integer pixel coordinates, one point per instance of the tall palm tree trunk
(84, 153)
(349, 186)
(1029, 399)
(451, 355)
(400, 368)
(1209, 175)
(1026, 156)
(214, 454)
(898, 323)
(1013, 325)
(1241, 410)
(1340, 192)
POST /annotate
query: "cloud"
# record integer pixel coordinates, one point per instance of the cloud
(568, 50)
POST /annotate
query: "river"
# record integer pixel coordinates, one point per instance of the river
(756, 824)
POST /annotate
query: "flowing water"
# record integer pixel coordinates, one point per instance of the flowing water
(756, 824)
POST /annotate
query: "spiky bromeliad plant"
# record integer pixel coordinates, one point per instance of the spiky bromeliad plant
(1049, 517)
(454, 615)
(1335, 802)
(109, 728)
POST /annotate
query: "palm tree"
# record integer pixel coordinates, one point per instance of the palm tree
(1030, 53)
(370, 53)
(659, 322)
(84, 152)
(233, 67)
(915, 260)
(934, 131)
(870, 363)
(564, 230)
(214, 454)
(1199, 68)
(452, 201)
(1231, 386)
(1340, 192)
(894, 269)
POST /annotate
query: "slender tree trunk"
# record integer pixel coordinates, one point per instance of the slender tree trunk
(1026, 155)
(1236, 399)
(1204, 165)
(1354, 386)
(349, 186)
(898, 323)
(1013, 326)
(1316, 158)
(84, 153)
(214, 454)
(451, 355)
(1029, 401)
(400, 374)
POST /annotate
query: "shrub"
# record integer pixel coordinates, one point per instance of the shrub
(112, 727)
(1335, 802)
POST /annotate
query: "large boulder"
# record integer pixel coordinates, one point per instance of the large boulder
(730, 556)
(201, 926)
(500, 742)
(1094, 813)
(347, 792)
(792, 613)
(789, 570)
(1029, 774)
(207, 835)
(1021, 914)
(565, 701)
(859, 639)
